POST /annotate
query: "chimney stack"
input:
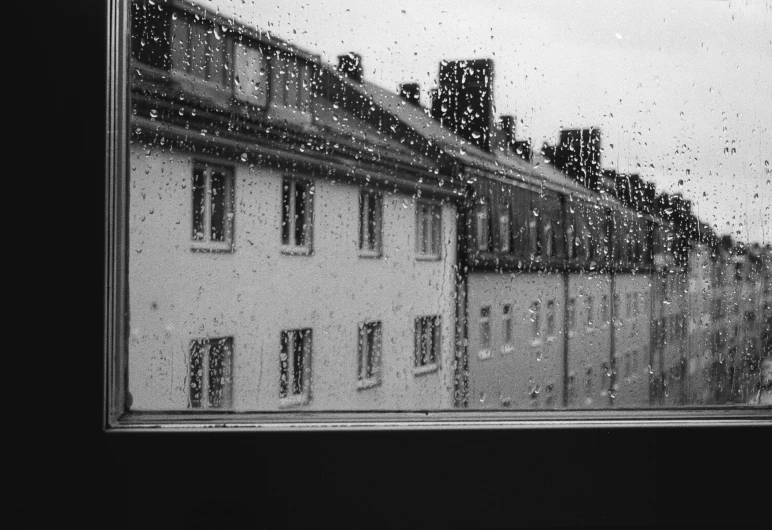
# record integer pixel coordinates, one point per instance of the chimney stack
(350, 65)
(411, 92)
(465, 100)
(578, 154)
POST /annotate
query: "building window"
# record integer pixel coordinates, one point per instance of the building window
(549, 240)
(369, 362)
(250, 80)
(571, 316)
(504, 229)
(550, 319)
(571, 241)
(428, 230)
(604, 310)
(297, 215)
(199, 49)
(370, 223)
(534, 244)
(212, 207)
(295, 366)
(485, 332)
(483, 228)
(211, 380)
(536, 323)
(506, 329)
(428, 343)
(291, 83)
(589, 306)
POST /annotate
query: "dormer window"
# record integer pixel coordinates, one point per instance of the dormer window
(199, 49)
(250, 76)
(290, 86)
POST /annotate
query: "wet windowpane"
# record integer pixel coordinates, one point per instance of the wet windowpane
(547, 206)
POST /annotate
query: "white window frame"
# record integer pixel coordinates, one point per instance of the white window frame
(482, 216)
(550, 320)
(364, 226)
(435, 322)
(430, 211)
(292, 247)
(205, 243)
(535, 311)
(367, 358)
(485, 327)
(292, 398)
(507, 323)
(589, 304)
(227, 369)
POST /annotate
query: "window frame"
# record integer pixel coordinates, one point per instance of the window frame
(435, 254)
(377, 250)
(229, 216)
(304, 396)
(244, 43)
(420, 368)
(227, 369)
(289, 248)
(374, 361)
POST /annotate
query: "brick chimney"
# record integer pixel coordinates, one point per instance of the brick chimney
(350, 65)
(464, 102)
(411, 92)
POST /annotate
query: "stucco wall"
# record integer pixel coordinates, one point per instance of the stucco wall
(253, 293)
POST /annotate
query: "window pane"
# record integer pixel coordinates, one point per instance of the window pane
(219, 205)
(199, 204)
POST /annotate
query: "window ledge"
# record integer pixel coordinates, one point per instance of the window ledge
(296, 251)
(428, 257)
(429, 368)
(364, 384)
(211, 247)
(484, 354)
(370, 254)
(294, 401)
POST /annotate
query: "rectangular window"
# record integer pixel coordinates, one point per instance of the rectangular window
(483, 228)
(199, 49)
(550, 319)
(485, 332)
(212, 207)
(370, 222)
(297, 215)
(369, 361)
(291, 84)
(295, 366)
(504, 230)
(589, 308)
(428, 230)
(536, 323)
(506, 328)
(549, 240)
(604, 310)
(211, 380)
(428, 343)
(250, 80)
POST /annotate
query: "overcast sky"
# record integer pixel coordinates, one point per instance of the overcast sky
(682, 90)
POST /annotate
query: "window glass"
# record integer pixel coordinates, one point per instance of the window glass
(384, 211)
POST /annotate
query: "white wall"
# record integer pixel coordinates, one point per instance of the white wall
(251, 294)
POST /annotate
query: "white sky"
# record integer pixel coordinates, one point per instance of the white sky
(675, 86)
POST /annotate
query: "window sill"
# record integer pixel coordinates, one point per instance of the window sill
(296, 251)
(484, 354)
(428, 257)
(364, 384)
(429, 368)
(370, 254)
(294, 401)
(211, 247)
